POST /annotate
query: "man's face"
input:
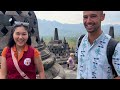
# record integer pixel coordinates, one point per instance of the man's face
(92, 20)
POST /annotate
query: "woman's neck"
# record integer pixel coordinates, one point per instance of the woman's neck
(19, 48)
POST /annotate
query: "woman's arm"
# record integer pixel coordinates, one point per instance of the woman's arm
(3, 72)
(40, 67)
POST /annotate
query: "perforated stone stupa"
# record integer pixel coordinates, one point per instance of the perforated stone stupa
(59, 48)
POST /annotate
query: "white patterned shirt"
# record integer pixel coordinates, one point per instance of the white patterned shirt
(92, 59)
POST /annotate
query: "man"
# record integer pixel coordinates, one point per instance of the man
(92, 58)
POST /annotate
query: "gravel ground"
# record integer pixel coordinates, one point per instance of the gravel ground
(70, 74)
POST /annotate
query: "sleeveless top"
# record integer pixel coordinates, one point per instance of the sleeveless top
(26, 64)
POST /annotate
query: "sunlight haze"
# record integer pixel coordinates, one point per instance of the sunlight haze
(75, 17)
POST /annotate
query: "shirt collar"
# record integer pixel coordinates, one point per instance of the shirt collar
(24, 49)
(98, 39)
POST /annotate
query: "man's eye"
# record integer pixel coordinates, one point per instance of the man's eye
(93, 16)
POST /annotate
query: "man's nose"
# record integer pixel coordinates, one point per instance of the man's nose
(88, 20)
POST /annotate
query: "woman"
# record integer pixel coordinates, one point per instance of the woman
(71, 62)
(20, 57)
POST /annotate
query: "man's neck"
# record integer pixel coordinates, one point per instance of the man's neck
(93, 36)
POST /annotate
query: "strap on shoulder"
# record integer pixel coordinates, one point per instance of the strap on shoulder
(110, 51)
(78, 44)
(80, 39)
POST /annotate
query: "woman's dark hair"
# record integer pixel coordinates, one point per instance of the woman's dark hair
(11, 41)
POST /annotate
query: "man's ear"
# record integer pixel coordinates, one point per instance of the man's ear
(103, 17)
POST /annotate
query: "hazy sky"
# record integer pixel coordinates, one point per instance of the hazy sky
(75, 17)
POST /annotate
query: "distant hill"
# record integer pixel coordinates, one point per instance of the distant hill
(46, 28)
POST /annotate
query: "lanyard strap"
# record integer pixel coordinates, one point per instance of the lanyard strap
(17, 66)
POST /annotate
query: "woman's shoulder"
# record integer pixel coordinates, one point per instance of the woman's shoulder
(36, 51)
(4, 51)
(5, 48)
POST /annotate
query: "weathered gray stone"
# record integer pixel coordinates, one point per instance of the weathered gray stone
(55, 71)
(111, 31)
(48, 63)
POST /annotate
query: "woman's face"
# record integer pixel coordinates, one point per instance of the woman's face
(20, 36)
